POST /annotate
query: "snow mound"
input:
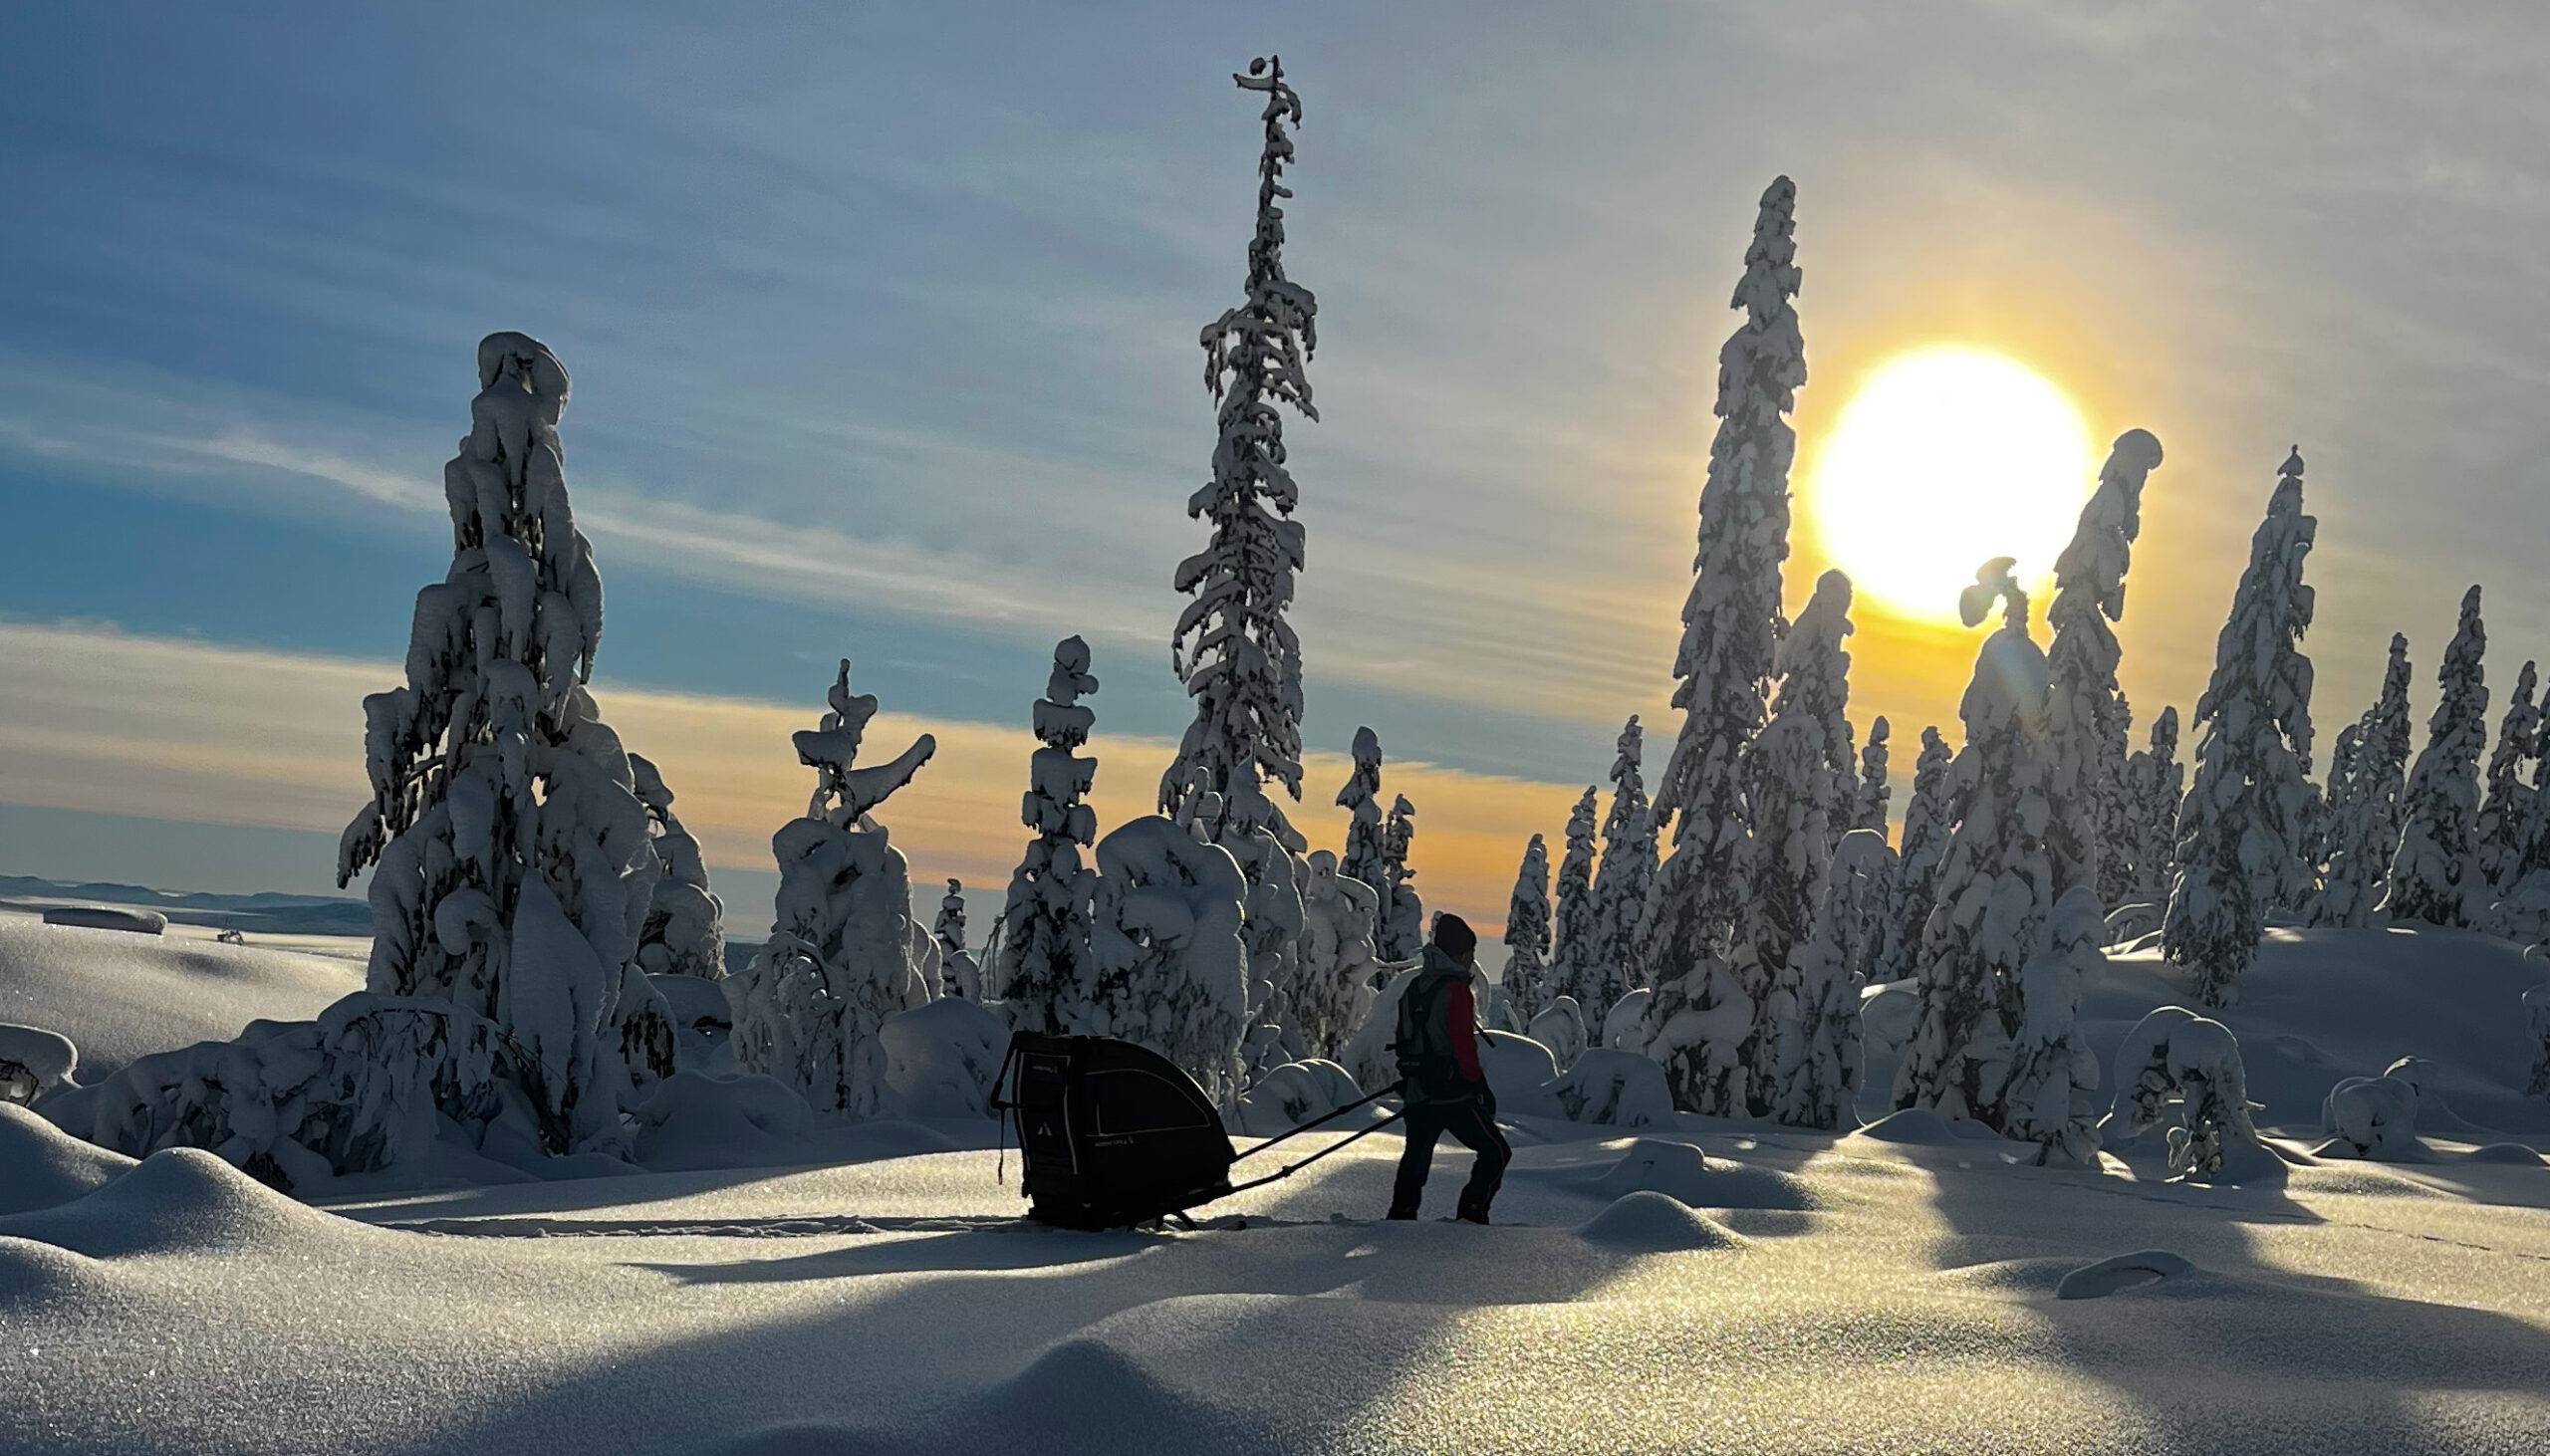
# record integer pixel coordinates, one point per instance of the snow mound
(1294, 1094)
(1649, 1222)
(1625, 1025)
(2506, 1152)
(1519, 1070)
(1615, 1089)
(2373, 1118)
(42, 1166)
(1887, 1012)
(943, 1058)
(1923, 1127)
(108, 917)
(695, 1122)
(1655, 1165)
(120, 997)
(180, 1201)
(2122, 1271)
(33, 1061)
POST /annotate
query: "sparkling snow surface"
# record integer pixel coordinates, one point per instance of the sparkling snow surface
(1781, 1290)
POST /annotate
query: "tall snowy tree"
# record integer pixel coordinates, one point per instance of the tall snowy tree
(1527, 937)
(1575, 935)
(513, 865)
(1793, 774)
(1233, 648)
(1815, 1004)
(1869, 803)
(2160, 786)
(2506, 813)
(2089, 718)
(1709, 992)
(2009, 944)
(1403, 928)
(1361, 799)
(1337, 959)
(685, 922)
(2361, 830)
(1044, 971)
(2436, 875)
(838, 960)
(1928, 819)
(1170, 964)
(1622, 884)
(2239, 849)
(959, 976)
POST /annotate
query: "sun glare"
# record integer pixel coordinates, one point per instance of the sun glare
(1944, 458)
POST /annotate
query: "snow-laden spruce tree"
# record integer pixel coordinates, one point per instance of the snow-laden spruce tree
(2160, 786)
(1233, 648)
(2359, 829)
(2239, 833)
(1575, 936)
(2049, 1093)
(1525, 986)
(686, 923)
(2506, 813)
(513, 865)
(838, 960)
(1793, 774)
(1622, 882)
(1403, 928)
(1708, 991)
(1361, 799)
(959, 976)
(2435, 874)
(1815, 1003)
(1171, 968)
(1335, 992)
(1044, 971)
(1870, 797)
(1928, 817)
(1993, 915)
(2088, 719)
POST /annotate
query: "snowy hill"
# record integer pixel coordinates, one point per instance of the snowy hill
(1909, 1286)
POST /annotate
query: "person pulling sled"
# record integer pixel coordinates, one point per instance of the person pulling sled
(1447, 1089)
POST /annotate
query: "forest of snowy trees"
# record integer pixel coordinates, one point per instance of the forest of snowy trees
(538, 908)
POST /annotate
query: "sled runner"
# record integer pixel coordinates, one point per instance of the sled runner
(1115, 1134)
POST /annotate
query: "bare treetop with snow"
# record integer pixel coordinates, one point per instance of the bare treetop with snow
(1045, 969)
(1402, 926)
(2436, 875)
(1233, 648)
(1869, 803)
(685, 931)
(514, 868)
(2240, 831)
(1361, 799)
(2089, 718)
(1730, 623)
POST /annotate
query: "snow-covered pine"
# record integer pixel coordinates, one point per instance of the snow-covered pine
(838, 960)
(1574, 934)
(513, 868)
(1622, 882)
(686, 923)
(958, 974)
(1361, 799)
(1870, 798)
(1525, 985)
(1815, 1004)
(1334, 990)
(1869, 803)
(1705, 1003)
(2435, 874)
(1170, 969)
(1403, 928)
(1793, 773)
(2088, 719)
(1232, 648)
(2049, 1094)
(1928, 819)
(1995, 899)
(2505, 814)
(2360, 828)
(2240, 832)
(2159, 785)
(1044, 969)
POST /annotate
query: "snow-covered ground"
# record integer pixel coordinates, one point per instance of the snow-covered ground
(1901, 1287)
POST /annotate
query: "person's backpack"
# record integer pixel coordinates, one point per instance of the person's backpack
(1424, 1050)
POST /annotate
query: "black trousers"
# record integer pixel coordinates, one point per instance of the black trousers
(1470, 1121)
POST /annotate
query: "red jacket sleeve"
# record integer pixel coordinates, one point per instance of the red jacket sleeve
(1460, 1022)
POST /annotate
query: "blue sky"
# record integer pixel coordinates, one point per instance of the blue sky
(882, 320)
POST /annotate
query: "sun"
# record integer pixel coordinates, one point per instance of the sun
(1946, 457)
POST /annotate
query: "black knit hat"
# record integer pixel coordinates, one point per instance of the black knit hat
(1456, 938)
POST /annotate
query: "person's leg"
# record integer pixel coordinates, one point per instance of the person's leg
(1476, 1127)
(1423, 1125)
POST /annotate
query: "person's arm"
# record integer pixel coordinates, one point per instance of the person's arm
(1460, 1019)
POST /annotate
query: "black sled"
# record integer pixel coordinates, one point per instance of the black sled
(1115, 1134)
